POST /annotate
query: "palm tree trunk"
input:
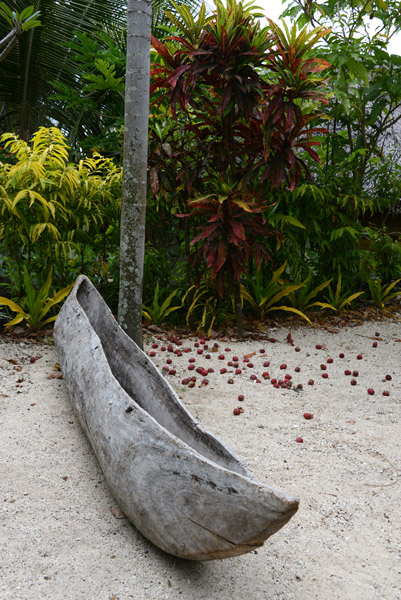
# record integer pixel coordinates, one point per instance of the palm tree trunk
(132, 243)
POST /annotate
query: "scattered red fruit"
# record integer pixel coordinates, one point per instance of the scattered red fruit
(323, 367)
(341, 355)
(308, 416)
(238, 371)
(377, 334)
(347, 372)
(235, 365)
(221, 357)
(353, 382)
(371, 391)
(237, 411)
(311, 382)
(163, 348)
(300, 386)
(287, 376)
(283, 366)
(155, 345)
(266, 363)
(250, 365)
(262, 350)
(230, 363)
(297, 369)
(223, 370)
(297, 349)
(355, 373)
(185, 381)
(205, 382)
(210, 370)
(253, 377)
(265, 375)
(33, 359)
(199, 351)
(169, 361)
(165, 368)
(374, 345)
(153, 353)
(318, 347)
(191, 367)
(228, 349)
(388, 377)
(329, 360)
(241, 397)
(231, 381)
(171, 372)
(386, 393)
(325, 375)
(191, 359)
(299, 440)
(274, 381)
(235, 359)
(359, 357)
(273, 340)
(191, 384)
(207, 356)
(196, 344)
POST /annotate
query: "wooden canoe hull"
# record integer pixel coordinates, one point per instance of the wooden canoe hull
(179, 485)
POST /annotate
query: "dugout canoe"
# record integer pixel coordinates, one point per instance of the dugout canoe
(179, 485)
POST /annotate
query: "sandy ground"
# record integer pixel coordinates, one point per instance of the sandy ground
(59, 535)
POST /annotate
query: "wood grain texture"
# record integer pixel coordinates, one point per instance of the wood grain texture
(178, 484)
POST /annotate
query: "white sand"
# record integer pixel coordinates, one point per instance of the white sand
(59, 538)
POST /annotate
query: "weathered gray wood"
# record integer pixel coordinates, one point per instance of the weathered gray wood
(178, 484)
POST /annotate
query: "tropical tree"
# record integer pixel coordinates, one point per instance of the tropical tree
(18, 23)
(133, 209)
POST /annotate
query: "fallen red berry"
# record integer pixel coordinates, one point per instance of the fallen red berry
(205, 381)
(371, 391)
(308, 416)
(200, 351)
(185, 381)
(299, 440)
(274, 381)
(355, 373)
(262, 350)
(153, 353)
(241, 397)
(191, 384)
(238, 371)
(273, 340)
(318, 347)
(377, 334)
(283, 366)
(210, 370)
(169, 361)
(155, 345)
(237, 411)
(297, 369)
(163, 348)
(341, 355)
(329, 360)
(231, 381)
(223, 370)
(266, 363)
(353, 382)
(374, 345)
(323, 367)
(347, 372)
(253, 377)
(359, 357)
(388, 377)
(228, 350)
(265, 375)
(300, 386)
(311, 382)
(171, 372)
(386, 393)
(221, 357)
(207, 356)
(191, 367)
(230, 363)
(250, 365)
(297, 349)
(235, 358)
(325, 375)
(287, 376)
